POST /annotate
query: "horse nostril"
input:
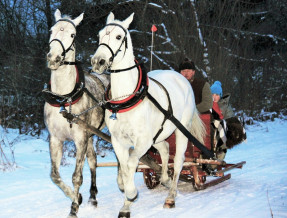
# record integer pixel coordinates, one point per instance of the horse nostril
(49, 55)
(102, 62)
(58, 59)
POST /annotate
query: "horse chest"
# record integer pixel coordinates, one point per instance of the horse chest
(57, 125)
(125, 129)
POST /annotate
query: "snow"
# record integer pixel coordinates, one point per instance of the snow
(27, 191)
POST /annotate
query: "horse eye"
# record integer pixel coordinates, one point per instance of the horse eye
(118, 37)
(72, 35)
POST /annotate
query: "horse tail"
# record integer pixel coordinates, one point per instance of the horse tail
(197, 127)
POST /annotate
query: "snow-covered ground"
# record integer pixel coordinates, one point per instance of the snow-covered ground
(257, 190)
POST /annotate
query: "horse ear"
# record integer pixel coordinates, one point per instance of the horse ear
(110, 18)
(78, 20)
(57, 15)
(127, 22)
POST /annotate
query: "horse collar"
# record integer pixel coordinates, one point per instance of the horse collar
(133, 100)
(73, 97)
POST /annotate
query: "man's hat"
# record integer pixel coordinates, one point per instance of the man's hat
(186, 64)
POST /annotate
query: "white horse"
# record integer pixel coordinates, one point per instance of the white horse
(71, 90)
(132, 131)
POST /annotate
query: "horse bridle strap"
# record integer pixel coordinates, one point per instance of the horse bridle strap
(114, 54)
(63, 47)
(64, 50)
(126, 69)
(67, 20)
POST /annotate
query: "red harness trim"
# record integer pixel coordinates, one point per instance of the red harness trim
(67, 104)
(131, 96)
(127, 109)
(75, 101)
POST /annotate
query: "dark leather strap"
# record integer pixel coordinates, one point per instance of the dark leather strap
(178, 124)
(169, 111)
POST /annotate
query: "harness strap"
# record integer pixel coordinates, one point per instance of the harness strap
(178, 124)
(67, 20)
(64, 50)
(96, 100)
(169, 111)
(65, 100)
(69, 63)
(125, 38)
(129, 68)
(104, 44)
(114, 54)
(133, 100)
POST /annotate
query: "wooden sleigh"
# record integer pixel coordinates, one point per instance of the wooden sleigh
(195, 168)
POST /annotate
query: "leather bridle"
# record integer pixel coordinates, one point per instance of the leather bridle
(114, 54)
(62, 45)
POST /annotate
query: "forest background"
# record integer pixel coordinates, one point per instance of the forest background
(242, 43)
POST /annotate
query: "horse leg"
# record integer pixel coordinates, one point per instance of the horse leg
(181, 145)
(140, 148)
(122, 154)
(120, 178)
(163, 148)
(92, 161)
(81, 146)
(125, 210)
(56, 152)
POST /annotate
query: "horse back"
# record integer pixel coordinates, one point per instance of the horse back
(177, 87)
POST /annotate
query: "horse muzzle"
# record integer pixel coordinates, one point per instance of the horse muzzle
(53, 62)
(99, 64)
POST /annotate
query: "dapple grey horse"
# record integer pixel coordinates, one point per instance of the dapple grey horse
(74, 91)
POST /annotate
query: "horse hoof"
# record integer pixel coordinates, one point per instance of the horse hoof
(74, 210)
(134, 198)
(122, 190)
(169, 204)
(124, 215)
(72, 215)
(93, 202)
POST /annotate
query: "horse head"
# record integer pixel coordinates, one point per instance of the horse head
(62, 40)
(114, 44)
